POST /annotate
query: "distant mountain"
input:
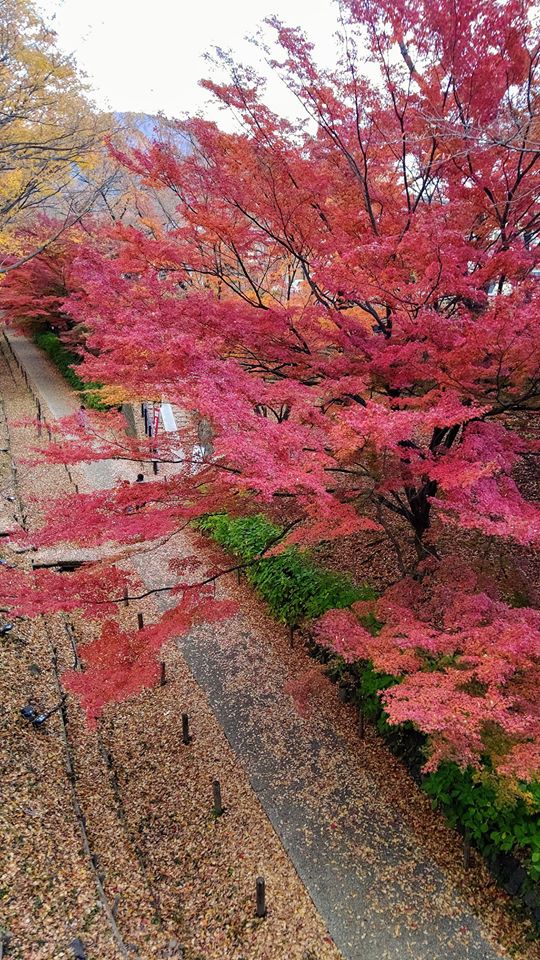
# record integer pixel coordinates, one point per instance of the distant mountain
(153, 127)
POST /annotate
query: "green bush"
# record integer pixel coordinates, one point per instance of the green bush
(65, 360)
(245, 537)
(292, 584)
(498, 821)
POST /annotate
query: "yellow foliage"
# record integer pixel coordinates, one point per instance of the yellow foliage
(48, 126)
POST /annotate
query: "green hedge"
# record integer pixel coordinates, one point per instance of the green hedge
(297, 589)
(66, 361)
(292, 584)
(498, 822)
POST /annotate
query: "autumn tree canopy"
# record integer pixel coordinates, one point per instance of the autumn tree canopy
(352, 300)
(49, 135)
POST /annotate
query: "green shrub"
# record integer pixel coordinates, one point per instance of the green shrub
(65, 360)
(245, 537)
(292, 584)
(498, 821)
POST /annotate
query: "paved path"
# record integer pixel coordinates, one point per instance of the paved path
(331, 798)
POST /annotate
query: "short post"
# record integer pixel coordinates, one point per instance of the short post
(261, 897)
(467, 848)
(162, 677)
(185, 729)
(140, 621)
(49, 432)
(361, 723)
(126, 597)
(218, 805)
(154, 466)
(78, 949)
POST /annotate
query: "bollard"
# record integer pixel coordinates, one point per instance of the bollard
(126, 597)
(261, 897)
(185, 729)
(154, 466)
(467, 849)
(162, 677)
(361, 724)
(78, 949)
(140, 621)
(218, 805)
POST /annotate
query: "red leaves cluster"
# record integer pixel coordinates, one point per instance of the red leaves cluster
(92, 589)
(121, 663)
(466, 665)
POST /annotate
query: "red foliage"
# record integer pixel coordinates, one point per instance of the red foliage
(92, 589)
(467, 665)
(122, 663)
(352, 300)
(37, 290)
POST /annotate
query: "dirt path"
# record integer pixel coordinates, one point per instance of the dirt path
(382, 869)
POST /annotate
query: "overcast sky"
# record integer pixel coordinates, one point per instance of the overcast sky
(151, 60)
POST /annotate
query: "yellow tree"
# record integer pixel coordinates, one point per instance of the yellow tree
(49, 134)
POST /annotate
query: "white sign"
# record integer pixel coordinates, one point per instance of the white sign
(167, 415)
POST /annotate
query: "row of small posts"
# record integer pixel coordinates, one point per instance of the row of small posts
(41, 422)
(11, 355)
(218, 809)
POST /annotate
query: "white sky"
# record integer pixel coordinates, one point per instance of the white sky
(146, 55)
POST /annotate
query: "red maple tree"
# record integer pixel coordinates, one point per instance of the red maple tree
(352, 300)
(36, 291)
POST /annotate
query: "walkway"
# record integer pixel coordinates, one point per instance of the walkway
(353, 824)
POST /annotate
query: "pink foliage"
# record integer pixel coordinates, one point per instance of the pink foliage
(460, 659)
(352, 301)
(121, 663)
